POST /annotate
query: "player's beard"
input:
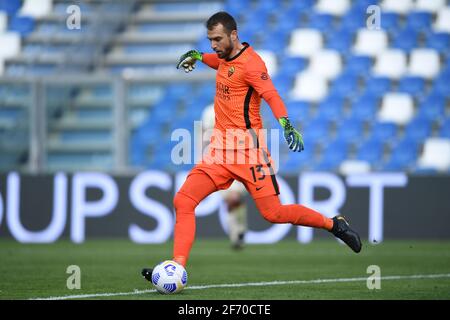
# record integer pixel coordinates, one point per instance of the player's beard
(225, 54)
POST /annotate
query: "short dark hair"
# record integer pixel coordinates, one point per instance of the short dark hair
(223, 18)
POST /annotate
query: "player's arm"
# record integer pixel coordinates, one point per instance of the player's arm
(187, 61)
(262, 83)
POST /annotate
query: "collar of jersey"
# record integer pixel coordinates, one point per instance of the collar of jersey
(246, 45)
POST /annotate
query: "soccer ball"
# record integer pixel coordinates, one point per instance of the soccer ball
(169, 277)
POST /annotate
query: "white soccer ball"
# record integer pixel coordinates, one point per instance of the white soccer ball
(169, 277)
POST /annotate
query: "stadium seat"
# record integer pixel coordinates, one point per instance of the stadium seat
(326, 64)
(384, 131)
(414, 86)
(333, 155)
(11, 44)
(403, 156)
(309, 87)
(36, 8)
(317, 130)
(390, 63)
(23, 25)
(419, 21)
(354, 19)
(424, 63)
(350, 130)
(418, 129)
(321, 21)
(334, 7)
(364, 107)
(390, 22)
(340, 40)
(442, 23)
(331, 108)
(344, 85)
(441, 84)
(445, 129)
(397, 108)
(358, 64)
(299, 37)
(370, 42)
(432, 6)
(436, 154)
(371, 151)
(397, 6)
(432, 108)
(439, 42)
(378, 86)
(10, 6)
(406, 40)
(290, 66)
(3, 21)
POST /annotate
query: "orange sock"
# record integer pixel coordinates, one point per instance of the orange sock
(273, 211)
(195, 189)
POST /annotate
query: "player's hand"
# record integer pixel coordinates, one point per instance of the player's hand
(293, 138)
(188, 60)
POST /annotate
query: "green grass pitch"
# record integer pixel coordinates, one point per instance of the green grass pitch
(113, 267)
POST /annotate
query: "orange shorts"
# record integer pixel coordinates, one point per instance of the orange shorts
(254, 168)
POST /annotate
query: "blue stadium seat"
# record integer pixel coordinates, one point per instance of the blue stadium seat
(354, 19)
(321, 21)
(371, 151)
(377, 86)
(10, 6)
(390, 21)
(403, 156)
(442, 84)
(21, 24)
(317, 129)
(384, 131)
(350, 130)
(419, 21)
(290, 66)
(439, 42)
(414, 86)
(358, 65)
(419, 129)
(333, 155)
(332, 108)
(445, 129)
(340, 40)
(432, 108)
(298, 111)
(365, 107)
(344, 85)
(406, 40)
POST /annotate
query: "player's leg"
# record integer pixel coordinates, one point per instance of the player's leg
(273, 211)
(196, 187)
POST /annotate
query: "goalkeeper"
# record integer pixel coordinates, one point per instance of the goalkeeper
(241, 82)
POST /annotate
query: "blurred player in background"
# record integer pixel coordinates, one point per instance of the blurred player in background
(241, 82)
(234, 196)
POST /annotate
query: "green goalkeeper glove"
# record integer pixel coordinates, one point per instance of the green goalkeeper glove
(292, 136)
(188, 60)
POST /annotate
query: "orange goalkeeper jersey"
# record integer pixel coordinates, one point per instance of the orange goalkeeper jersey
(240, 82)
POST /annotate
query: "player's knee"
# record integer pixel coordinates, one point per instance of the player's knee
(183, 203)
(272, 214)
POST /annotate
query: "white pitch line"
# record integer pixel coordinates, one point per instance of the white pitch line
(249, 284)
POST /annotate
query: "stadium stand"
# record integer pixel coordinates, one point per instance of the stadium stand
(365, 99)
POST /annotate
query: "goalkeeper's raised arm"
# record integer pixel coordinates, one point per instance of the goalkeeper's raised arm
(187, 61)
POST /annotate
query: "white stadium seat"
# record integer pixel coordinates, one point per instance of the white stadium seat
(36, 8)
(326, 63)
(10, 44)
(334, 7)
(305, 42)
(397, 6)
(431, 6)
(436, 154)
(443, 21)
(370, 42)
(397, 108)
(270, 59)
(3, 21)
(424, 63)
(390, 63)
(309, 87)
(208, 117)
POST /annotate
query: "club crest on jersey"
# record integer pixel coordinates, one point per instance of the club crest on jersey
(230, 71)
(264, 76)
